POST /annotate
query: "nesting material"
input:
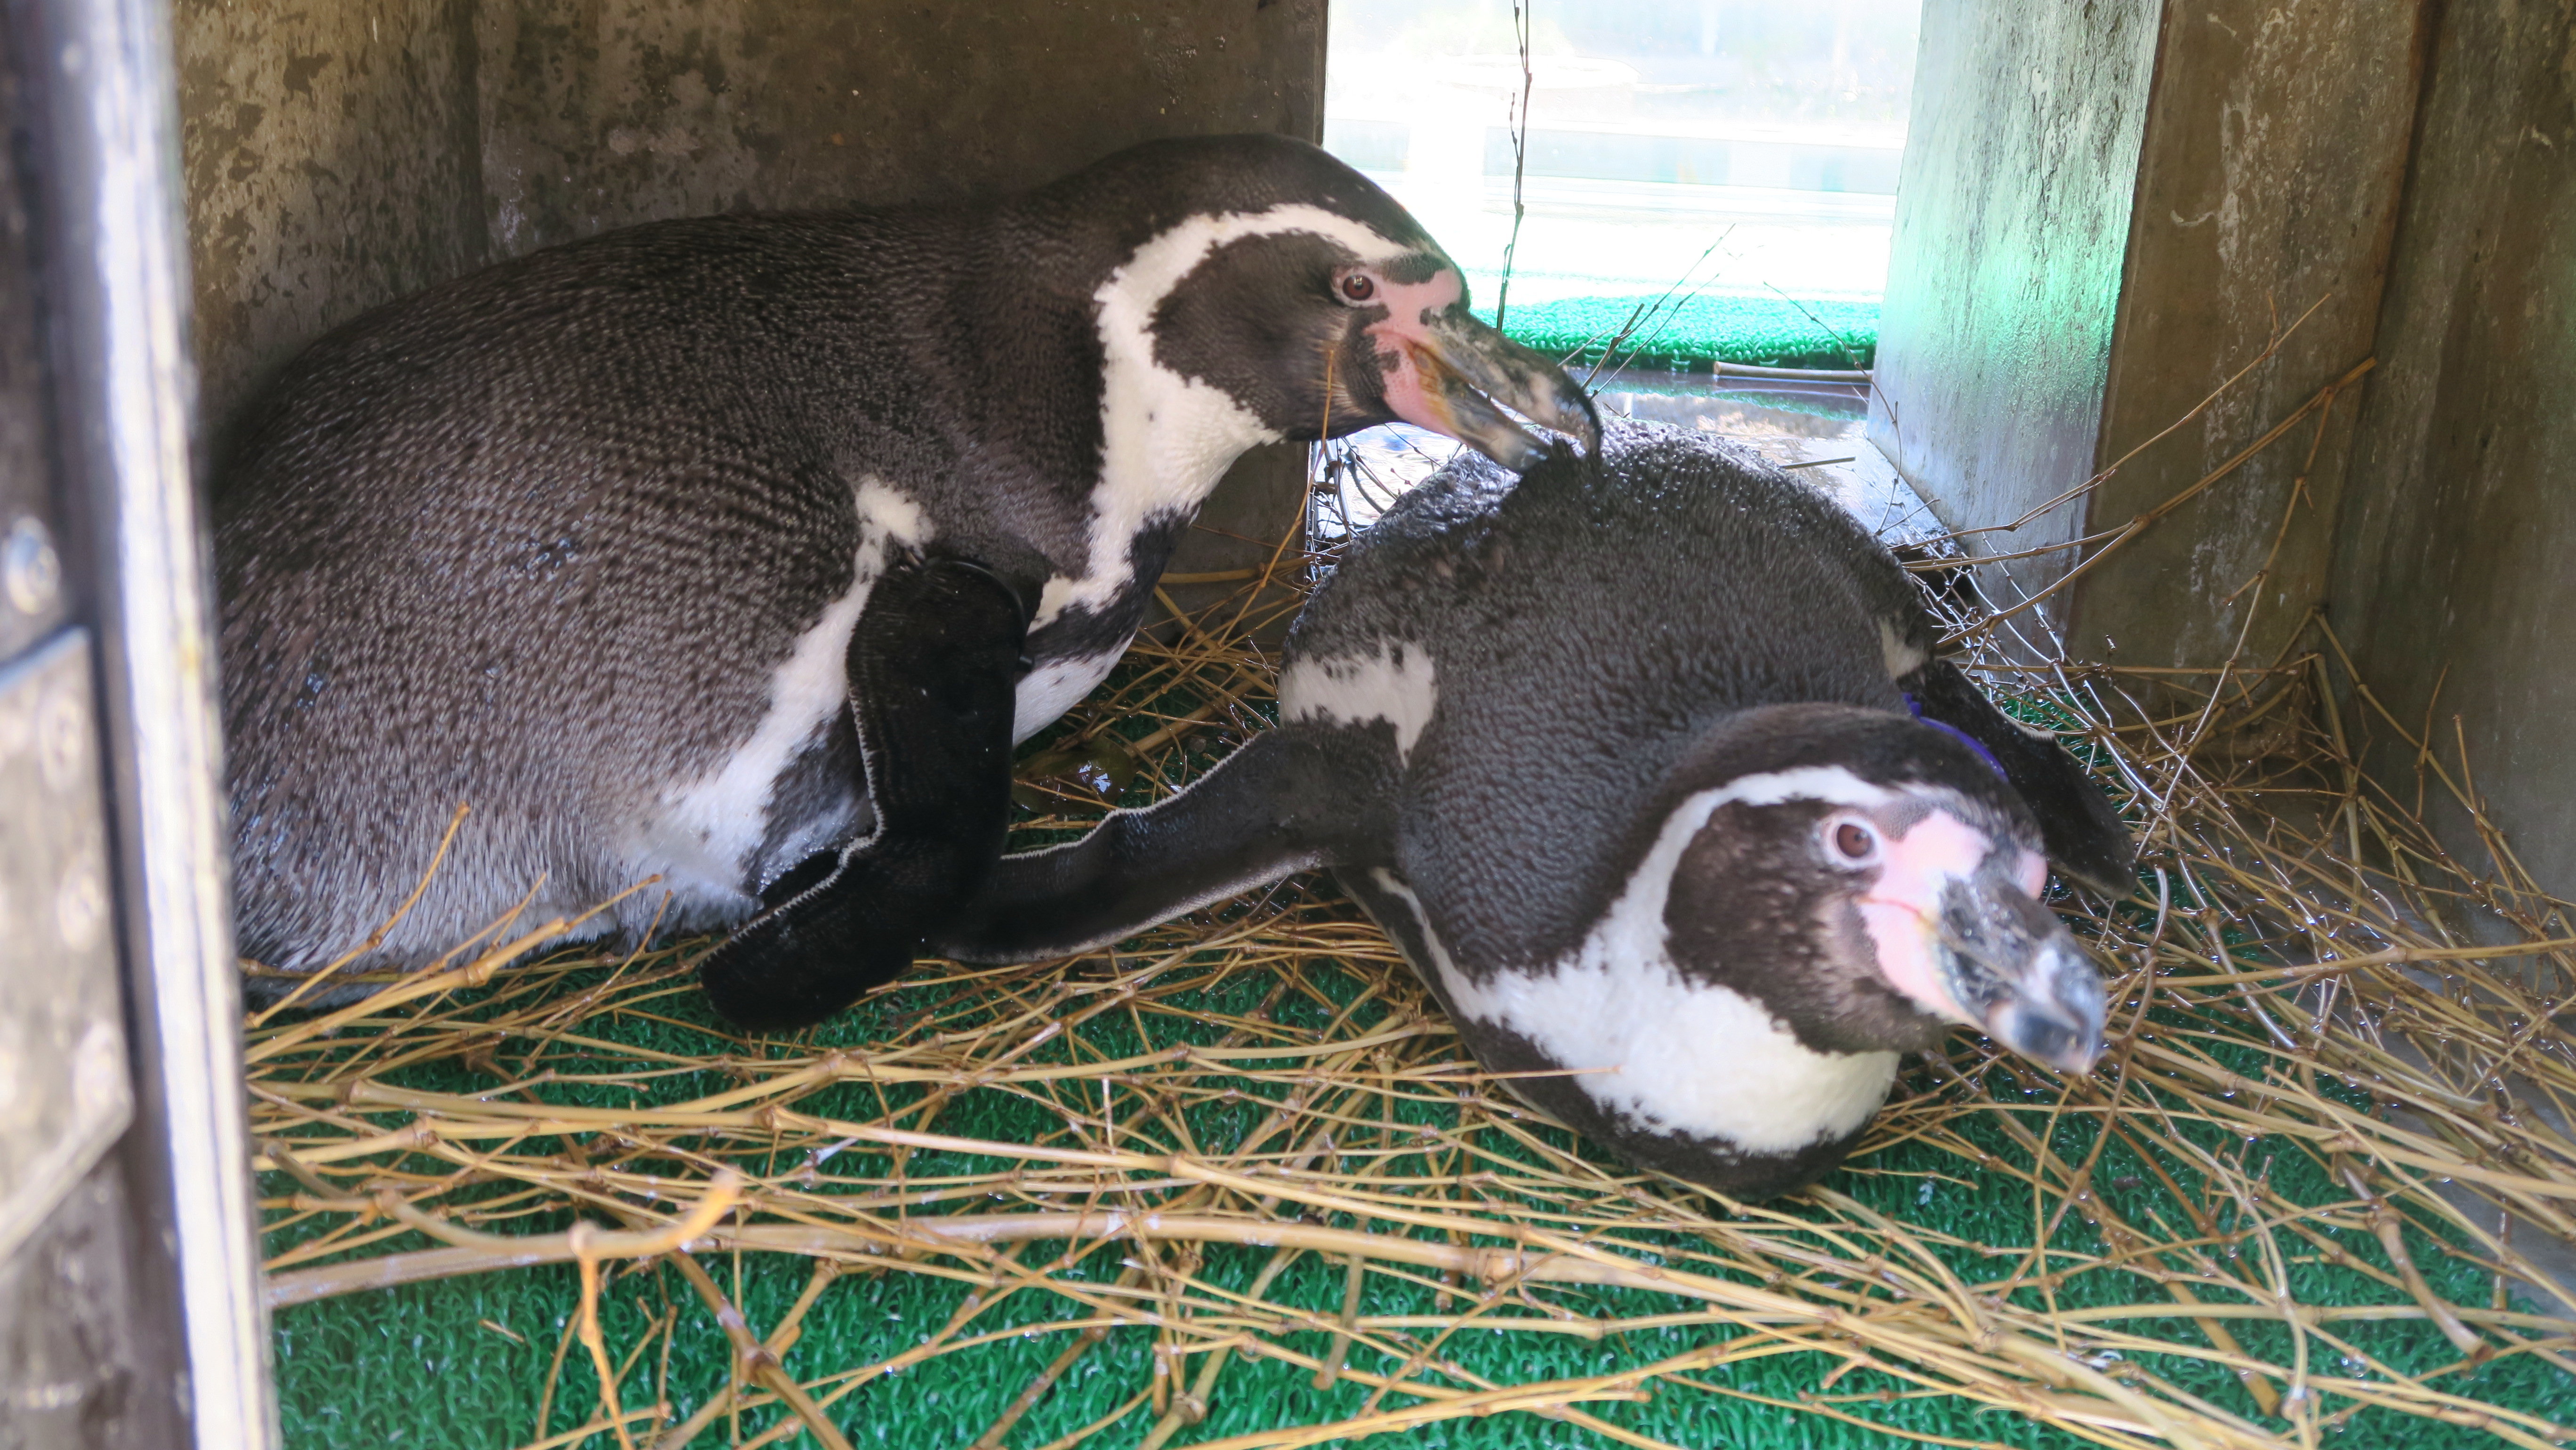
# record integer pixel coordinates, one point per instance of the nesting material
(1240, 1173)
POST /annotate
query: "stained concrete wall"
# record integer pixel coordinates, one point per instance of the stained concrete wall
(2107, 209)
(597, 115)
(2012, 220)
(338, 155)
(332, 160)
(2410, 163)
(2268, 183)
(2454, 584)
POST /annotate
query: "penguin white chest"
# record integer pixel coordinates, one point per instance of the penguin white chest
(1662, 1052)
(1676, 1056)
(1165, 437)
(1045, 693)
(1391, 681)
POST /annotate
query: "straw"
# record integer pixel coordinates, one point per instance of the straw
(2287, 1201)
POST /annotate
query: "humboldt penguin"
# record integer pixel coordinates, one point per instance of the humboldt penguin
(728, 557)
(1647, 764)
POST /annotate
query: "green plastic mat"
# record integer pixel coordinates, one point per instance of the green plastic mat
(463, 1362)
(2183, 1195)
(1695, 331)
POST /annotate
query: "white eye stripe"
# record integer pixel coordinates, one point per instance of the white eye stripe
(1833, 785)
(1165, 438)
(1128, 299)
(1828, 783)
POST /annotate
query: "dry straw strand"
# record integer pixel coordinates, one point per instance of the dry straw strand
(2315, 989)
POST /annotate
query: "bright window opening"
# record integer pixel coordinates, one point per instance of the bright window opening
(1700, 181)
(1740, 150)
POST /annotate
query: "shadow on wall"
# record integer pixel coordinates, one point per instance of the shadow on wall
(338, 156)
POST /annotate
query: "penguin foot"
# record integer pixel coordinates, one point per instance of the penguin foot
(812, 954)
(934, 665)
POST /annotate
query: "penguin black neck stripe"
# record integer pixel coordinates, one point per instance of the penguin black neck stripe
(1645, 763)
(737, 551)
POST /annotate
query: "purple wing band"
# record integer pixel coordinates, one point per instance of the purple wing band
(1954, 732)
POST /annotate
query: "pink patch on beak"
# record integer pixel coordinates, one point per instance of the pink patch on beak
(1902, 911)
(1402, 339)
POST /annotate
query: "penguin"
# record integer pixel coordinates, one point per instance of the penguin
(1647, 764)
(729, 556)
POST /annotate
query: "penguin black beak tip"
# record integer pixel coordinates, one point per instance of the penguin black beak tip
(1516, 449)
(2055, 1013)
(1541, 391)
(1577, 418)
(2049, 1037)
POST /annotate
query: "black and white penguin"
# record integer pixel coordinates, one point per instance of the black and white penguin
(1647, 765)
(738, 551)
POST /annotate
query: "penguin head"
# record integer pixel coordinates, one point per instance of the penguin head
(1409, 349)
(1872, 882)
(1270, 272)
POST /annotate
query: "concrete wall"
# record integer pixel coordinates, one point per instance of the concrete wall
(2413, 164)
(2268, 181)
(2454, 584)
(2107, 209)
(332, 160)
(341, 155)
(2012, 218)
(338, 154)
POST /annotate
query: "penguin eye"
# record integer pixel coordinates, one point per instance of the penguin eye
(1358, 287)
(1850, 841)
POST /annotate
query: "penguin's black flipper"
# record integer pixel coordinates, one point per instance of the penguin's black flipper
(2084, 835)
(934, 663)
(1297, 797)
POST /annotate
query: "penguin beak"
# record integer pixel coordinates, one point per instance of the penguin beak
(2010, 967)
(1446, 371)
(1959, 930)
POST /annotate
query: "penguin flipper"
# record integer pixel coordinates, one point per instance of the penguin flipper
(2083, 833)
(934, 665)
(1295, 798)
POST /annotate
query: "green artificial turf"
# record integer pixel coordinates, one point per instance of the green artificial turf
(463, 1362)
(436, 1364)
(1697, 330)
